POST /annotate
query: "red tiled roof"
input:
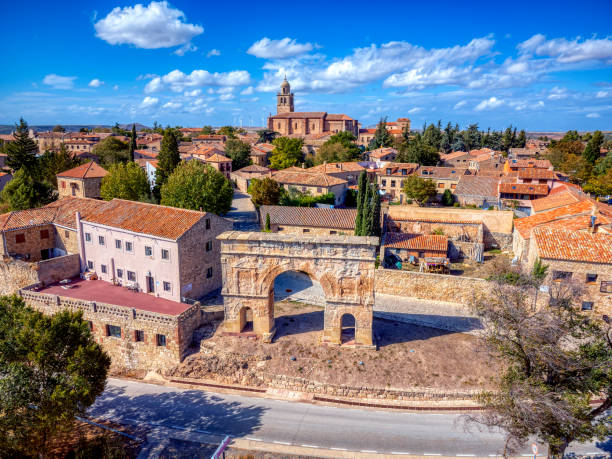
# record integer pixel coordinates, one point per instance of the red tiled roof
(434, 242)
(523, 188)
(573, 245)
(557, 197)
(310, 216)
(298, 176)
(330, 168)
(299, 115)
(441, 172)
(477, 185)
(397, 168)
(538, 163)
(380, 152)
(88, 170)
(525, 224)
(217, 158)
(535, 173)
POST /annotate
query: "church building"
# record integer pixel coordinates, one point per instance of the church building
(289, 122)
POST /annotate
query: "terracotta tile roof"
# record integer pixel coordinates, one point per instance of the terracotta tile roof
(538, 163)
(297, 115)
(151, 219)
(7, 137)
(310, 216)
(217, 158)
(435, 242)
(441, 172)
(380, 152)
(436, 220)
(149, 153)
(535, 173)
(477, 185)
(524, 188)
(207, 151)
(253, 168)
(298, 176)
(210, 137)
(573, 245)
(581, 222)
(557, 197)
(397, 169)
(329, 168)
(525, 224)
(26, 218)
(338, 117)
(452, 155)
(88, 170)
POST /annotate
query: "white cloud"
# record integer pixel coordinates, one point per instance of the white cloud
(279, 49)
(247, 91)
(415, 110)
(146, 76)
(172, 105)
(149, 102)
(157, 25)
(194, 93)
(178, 81)
(95, 83)
(226, 97)
(186, 48)
(116, 87)
(593, 115)
(59, 82)
(568, 51)
(213, 52)
(602, 94)
(557, 93)
(488, 104)
(460, 104)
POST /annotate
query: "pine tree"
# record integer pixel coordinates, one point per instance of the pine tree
(592, 151)
(133, 142)
(168, 159)
(363, 178)
(381, 138)
(22, 152)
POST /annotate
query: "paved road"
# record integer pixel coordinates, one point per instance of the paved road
(299, 423)
(243, 213)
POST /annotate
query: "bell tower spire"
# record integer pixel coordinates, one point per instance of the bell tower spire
(284, 99)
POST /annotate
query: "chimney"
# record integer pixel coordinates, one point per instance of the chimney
(593, 219)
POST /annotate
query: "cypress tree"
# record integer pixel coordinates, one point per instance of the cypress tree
(267, 226)
(367, 222)
(22, 152)
(376, 211)
(168, 159)
(360, 200)
(133, 142)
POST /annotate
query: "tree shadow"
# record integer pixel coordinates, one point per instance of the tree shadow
(389, 331)
(295, 324)
(190, 409)
(605, 445)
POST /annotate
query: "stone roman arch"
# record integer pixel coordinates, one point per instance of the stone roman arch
(343, 265)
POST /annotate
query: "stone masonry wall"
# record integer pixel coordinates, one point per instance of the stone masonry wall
(56, 269)
(15, 274)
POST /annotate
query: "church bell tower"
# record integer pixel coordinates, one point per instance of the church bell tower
(284, 99)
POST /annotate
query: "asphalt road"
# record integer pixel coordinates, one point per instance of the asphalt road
(302, 424)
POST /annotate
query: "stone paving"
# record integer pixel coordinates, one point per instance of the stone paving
(243, 213)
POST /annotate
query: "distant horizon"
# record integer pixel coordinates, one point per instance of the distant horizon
(536, 66)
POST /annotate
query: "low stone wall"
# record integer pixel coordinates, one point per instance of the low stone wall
(426, 286)
(364, 392)
(15, 274)
(56, 269)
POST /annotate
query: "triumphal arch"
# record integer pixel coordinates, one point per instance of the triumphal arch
(343, 265)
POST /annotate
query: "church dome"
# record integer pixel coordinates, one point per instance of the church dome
(285, 84)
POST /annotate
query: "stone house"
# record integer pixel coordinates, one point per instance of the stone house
(477, 190)
(314, 183)
(219, 162)
(390, 178)
(348, 170)
(242, 177)
(308, 220)
(365, 136)
(79, 146)
(5, 177)
(522, 193)
(579, 256)
(381, 155)
(260, 154)
(48, 140)
(445, 178)
(410, 248)
(145, 154)
(83, 181)
(514, 165)
(209, 140)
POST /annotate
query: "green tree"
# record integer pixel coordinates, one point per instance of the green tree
(229, 131)
(578, 168)
(367, 221)
(207, 130)
(375, 228)
(58, 128)
(265, 192)
(418, 152)
(447, 198)
(381, 138)
(559, 151)
(133, 145)
(167, 160)
(112, 151)
(194, 185)
(22, 152)
(571, 136)
(332, 153)
(362, 183)
(267, 225)
(592, 151)
(555, 362)
(521, 140)
(125, 181)
(287, 152)
(418, 189)
(239, 152)
(24, 191)
(267, 135)
(54, 162)
(52, 370)
(600, 185)
(351, 151)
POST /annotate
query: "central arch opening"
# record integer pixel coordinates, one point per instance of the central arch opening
(298, 303)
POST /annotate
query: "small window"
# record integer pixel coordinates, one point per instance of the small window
(161, 340)
(87, 237)
(209, 273)
(128, 246)
(392, 183)
(101, 240)
(384, 182)
(305, 230)
(388, 171)
(90, 264)
(139, 336)
(120, 273)
(587, 305)
(148, 251)
(67, 234)
(440, 185)
(63, 184)
(131, 276)
(167, 287)
(453, 186)
(113, 330)
(20, 238)
(333, 232)
(319, 189)
(209, 246)
(165, 254)
(44, 234)
(561, 275)
(118, 244)
(591, 278)
(103, 269)
(208, 223)
(404, 172)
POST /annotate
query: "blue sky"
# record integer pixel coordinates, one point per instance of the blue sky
(538, 65)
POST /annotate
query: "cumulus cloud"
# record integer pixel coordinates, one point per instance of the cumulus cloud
(593, 115)
(460, 104)
(149, 102)
(488, 104)
(178, 81)
(247, 91)
(568, 51)
(95, 83)
(157, 25)
(602, 94)
(557, 93)
(194, 93)
(59, 82)
(279, 49)
(415, 110)
(213, 52)
(227, 96)
(172, 105)
(186, 48)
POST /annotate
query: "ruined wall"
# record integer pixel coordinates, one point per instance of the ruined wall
(15, 274)
(56, 269)
(34, 241)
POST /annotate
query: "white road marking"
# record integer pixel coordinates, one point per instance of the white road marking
(432, 454)
(465, 455)
(339, 449)
(309, 446)
(369, 451)
(281, 442)
(254, 439)
(400, 452)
